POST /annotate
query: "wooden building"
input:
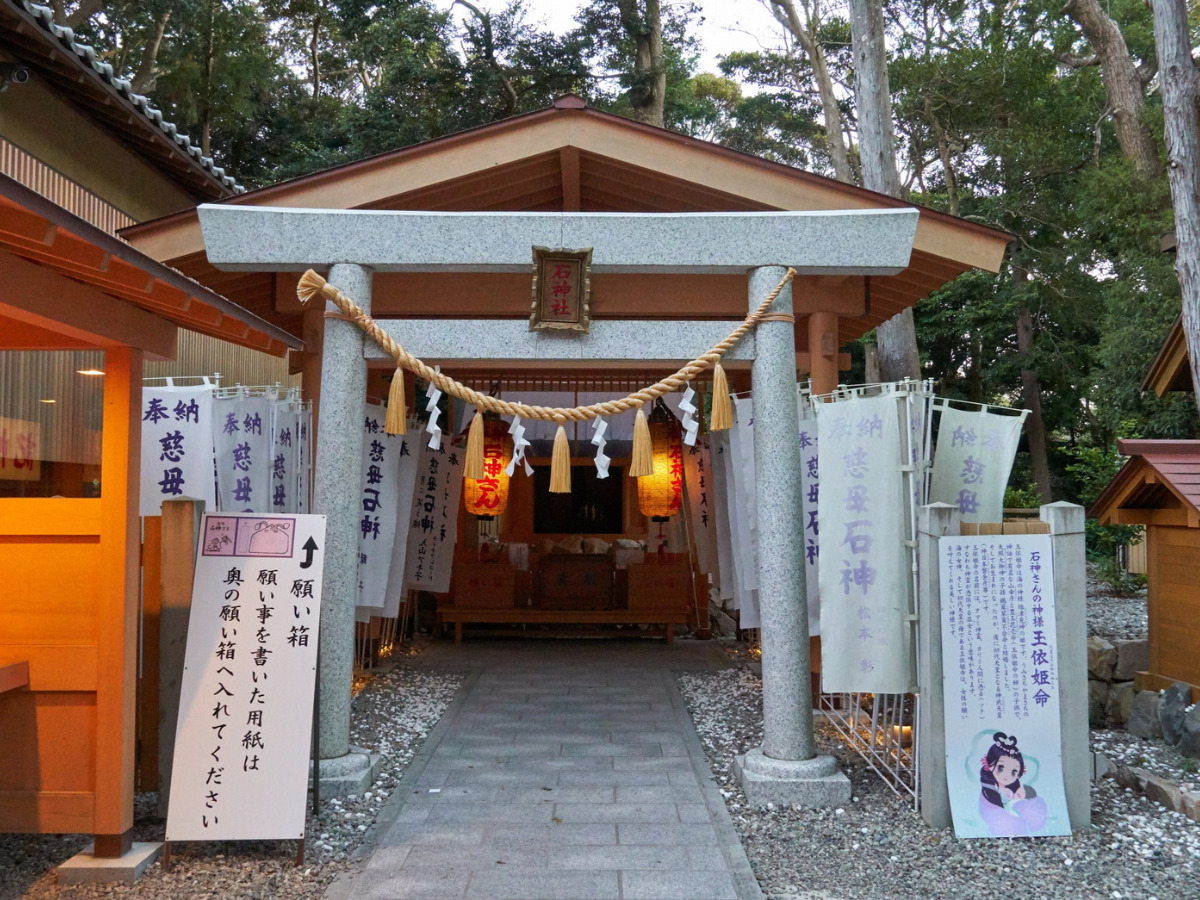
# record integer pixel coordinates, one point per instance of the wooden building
(1159, 489)
(80, 156)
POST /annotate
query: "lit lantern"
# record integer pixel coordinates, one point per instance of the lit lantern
(660, 495)
(488, 496)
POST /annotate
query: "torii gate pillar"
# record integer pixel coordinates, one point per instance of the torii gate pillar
(785, 769)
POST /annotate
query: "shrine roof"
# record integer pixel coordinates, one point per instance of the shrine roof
(1170, 370)
(1158, 475)
(569, 157)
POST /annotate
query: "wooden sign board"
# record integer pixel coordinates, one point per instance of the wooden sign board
(561, 290)
(243, 736)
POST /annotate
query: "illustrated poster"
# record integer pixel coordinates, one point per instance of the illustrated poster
(1000, 674)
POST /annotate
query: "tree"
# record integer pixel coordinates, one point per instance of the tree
(897, 337)
(1124, 82)
(807, 32)
(1181, 94)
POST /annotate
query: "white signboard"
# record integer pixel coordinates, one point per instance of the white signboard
(810, 491)
(864, 572)
(243, 438)
(433, 526)
(245, 706)
(974, 457)
(1000, 663)
(177, 446)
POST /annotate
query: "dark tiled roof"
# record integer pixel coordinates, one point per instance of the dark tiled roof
(86, 57)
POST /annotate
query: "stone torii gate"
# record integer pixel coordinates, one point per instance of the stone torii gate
(355, 244)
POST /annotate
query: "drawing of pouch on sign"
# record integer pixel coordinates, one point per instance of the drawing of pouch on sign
(271, 539)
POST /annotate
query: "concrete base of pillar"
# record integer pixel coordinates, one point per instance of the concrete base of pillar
(84, 868)
(349, 774)
(807, 782)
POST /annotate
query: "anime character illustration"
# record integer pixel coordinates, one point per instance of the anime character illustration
(1008, 808)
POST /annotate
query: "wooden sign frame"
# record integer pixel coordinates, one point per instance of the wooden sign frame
(562, 303)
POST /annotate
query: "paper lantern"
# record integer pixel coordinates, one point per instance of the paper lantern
(488, 496)
(660, 495)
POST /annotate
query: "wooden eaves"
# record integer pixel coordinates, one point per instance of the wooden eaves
(36, 229)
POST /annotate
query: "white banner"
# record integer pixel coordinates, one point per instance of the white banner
(406, 476)
(864, 573)
(1000, 665)
(974, 457)
(177, 446)
(719, 444)
(379, 494)
(243, 439)
(697, 466)
(303, 457)
(433, 526)
(809, 494)
(245, 707)
(743, 518)
(285, 457)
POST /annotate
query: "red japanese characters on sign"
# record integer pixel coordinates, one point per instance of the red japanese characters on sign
(561, 287)
(20, 450)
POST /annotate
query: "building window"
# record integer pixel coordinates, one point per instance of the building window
(51, 420)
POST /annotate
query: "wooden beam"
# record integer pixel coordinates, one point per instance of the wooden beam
(14, 674)
(568, 163)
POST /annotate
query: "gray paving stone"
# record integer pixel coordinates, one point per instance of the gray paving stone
(541, 814)
(531, 884)
(688, 793)
(662, 856)
(693, 813)
(486, 857)
(602, 777)
(553, 835)
(652, 835)
(633, 813)
(677, 885)
(611, 749)
(456, 834)
(410, 882)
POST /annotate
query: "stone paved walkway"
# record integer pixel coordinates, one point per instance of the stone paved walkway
(563, 769)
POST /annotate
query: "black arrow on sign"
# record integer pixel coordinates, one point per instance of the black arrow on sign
(309, 548)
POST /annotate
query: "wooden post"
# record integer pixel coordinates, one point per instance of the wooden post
(117, 615)
(147, 713)
(180, 531)
(823, 351)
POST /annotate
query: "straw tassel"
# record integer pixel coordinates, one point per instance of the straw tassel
(721, 418)
(560, 463)
(642, 462)
(396, 423)
(310, 285)
(474, 464)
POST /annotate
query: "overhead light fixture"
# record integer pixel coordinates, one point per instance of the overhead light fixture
(47, 401)
(487, 497)
(89, 371)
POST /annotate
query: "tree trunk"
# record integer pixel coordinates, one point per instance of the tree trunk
(805, 34)
(898, 356)
(649, 91)
(1035, 426)
(147, 73)
(1181, 93)
(1122, 83)
(873, 98)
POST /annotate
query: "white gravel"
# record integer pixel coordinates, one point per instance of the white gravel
(878, 847)
(391, 715)
(1115, 614)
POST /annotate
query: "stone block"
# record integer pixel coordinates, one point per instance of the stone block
(1189, 740)
(1175, 701)
(1101, 658)
(1097, 703)
(1143, 716)
(84, 868)
(1164, 791)
(350, 774)
(1132, 657)
(1121, 695)
(1191, 805)
(810, 782)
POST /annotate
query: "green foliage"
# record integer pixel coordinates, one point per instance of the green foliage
(1022, 497)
